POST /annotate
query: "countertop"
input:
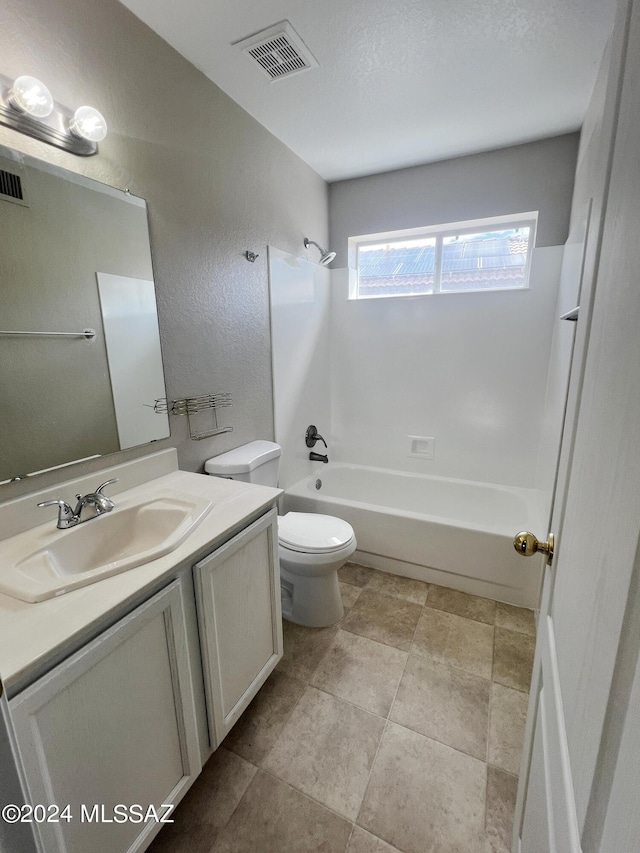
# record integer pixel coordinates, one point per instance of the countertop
(31, 635)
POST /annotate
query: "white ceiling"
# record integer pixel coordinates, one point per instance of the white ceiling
(400, 82)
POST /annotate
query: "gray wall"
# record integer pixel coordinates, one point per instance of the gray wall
(217, 183)
(536, 176)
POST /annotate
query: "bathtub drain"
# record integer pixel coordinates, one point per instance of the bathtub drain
(318, 484)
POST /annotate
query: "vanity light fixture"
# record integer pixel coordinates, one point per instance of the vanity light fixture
(29, 95)
(89, 124)
(26, 105)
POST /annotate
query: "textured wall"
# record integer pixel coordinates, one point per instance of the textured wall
(537, 176)
(217, 183)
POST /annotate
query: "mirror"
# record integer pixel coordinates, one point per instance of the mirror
(75, 258)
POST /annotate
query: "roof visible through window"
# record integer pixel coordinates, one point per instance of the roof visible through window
(495, 259)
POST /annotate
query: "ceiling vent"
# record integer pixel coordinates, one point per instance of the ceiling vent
(279, 51)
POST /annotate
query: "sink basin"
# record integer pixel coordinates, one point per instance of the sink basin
(115, 542)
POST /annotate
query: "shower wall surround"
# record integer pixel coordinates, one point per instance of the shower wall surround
(300, 314)
(469, 369)
(217, 184)
(560, 357)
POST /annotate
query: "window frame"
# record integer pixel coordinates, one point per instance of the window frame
(440, 232)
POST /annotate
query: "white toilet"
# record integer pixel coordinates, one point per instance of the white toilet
(311, 547)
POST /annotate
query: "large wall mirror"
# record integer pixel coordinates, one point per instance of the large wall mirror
(75, 259)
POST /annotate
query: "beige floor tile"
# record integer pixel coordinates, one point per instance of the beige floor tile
(361, 671)
(304, 648)
(454, 640)
(507, 716)
(258, 728)
(207, 806)
(515, 619)
(424, 796)
(462, 604)
(349, 593)
(363, 842)
(326, 751)
(383, 618)
(273, 818)
(501, 803)
(444, 704)
(355, 574)
(513, 658)
(406, 588)
(184, 838)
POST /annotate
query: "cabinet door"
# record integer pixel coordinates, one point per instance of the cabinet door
(113, 724)
(240, 619)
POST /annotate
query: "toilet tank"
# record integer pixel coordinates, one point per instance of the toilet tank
(256, 462)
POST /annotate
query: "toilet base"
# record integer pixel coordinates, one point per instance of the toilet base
(312, 601)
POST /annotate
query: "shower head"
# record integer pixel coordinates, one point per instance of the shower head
(325, 257)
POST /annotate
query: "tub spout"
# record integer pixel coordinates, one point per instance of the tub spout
(318, 457)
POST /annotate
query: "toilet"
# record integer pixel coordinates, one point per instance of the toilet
(311, 547)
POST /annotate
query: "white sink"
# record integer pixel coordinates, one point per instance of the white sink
(128, 536)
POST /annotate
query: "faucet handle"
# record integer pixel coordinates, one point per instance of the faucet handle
(65, 512)
(312, 435)
(59, 503)
(108, 483)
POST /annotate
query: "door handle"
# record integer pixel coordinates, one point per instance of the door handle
(527, 545)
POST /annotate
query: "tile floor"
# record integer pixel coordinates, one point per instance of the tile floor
(398, 730)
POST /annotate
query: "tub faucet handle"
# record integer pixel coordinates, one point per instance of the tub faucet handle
(312, 435)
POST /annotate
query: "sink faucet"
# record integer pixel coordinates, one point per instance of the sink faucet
(68, 517)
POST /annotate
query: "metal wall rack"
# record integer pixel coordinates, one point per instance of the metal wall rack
(192, 406)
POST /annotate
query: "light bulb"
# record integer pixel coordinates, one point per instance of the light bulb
(29, 95)
(89, 124)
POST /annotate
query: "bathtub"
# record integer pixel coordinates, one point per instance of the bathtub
(455, 533)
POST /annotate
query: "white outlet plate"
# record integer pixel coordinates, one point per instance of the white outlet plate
(422, 446)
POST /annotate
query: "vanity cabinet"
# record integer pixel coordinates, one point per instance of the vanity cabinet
(115, 723)
(240, 620)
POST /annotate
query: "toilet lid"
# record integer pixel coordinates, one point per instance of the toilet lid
(313, 533)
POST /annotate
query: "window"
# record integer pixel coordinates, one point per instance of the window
(460, 257)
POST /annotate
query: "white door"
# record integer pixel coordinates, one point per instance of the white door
(587, 634)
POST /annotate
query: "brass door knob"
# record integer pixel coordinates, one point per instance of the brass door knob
(526, 545)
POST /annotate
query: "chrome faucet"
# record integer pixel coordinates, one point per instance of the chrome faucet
(69, 517)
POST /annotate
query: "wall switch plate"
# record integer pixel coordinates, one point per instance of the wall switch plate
(422, 446)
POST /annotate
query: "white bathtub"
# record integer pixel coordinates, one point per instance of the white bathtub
(454, 533)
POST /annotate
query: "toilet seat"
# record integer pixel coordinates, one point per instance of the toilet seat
(313, 533)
